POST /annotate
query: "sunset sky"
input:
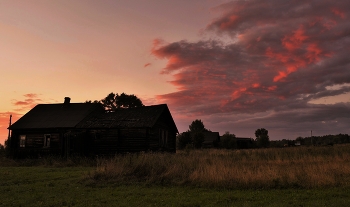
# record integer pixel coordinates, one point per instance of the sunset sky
(236, 65)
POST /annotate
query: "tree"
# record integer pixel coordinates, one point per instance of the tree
(193, 137)
(301, 140)
(115, 101)
(196, 129)
(197, 126)
(262, 137)
(228, 141)
(183, 140)
(5, 149)
(198, 139)
(2, 150)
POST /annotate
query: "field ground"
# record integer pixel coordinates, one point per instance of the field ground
(66, 186)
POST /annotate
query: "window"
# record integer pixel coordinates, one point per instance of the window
(47, 139)
(22, 141)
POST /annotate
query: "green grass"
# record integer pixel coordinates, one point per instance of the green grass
(304, 176)
(68, 186)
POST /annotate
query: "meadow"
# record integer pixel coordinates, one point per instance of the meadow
(295, 176)
(294, 167)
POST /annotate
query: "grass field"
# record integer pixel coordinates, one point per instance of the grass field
(47, 186)
(50, 182)
(298, 167)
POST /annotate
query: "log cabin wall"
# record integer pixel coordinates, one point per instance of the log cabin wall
(133, 140)
(161, 139)
(149, 128)
(33, 143)
(112, 141)
(164, 138)
(103, 141)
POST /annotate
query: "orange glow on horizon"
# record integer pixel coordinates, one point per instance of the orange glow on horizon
(4, 123)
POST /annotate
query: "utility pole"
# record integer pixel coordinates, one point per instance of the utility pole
(311, 138)
(9, 136)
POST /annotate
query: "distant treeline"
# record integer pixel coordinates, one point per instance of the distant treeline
(314, 140)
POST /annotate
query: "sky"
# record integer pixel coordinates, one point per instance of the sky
(236, 65)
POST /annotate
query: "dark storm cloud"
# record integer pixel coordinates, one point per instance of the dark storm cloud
(267, 56)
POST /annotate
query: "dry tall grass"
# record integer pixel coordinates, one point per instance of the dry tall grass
(305, 167)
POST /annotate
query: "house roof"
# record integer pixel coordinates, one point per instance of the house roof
(138, 117)
(66, 115)
(243, 138)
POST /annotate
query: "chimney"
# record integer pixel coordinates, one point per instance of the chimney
(66, 100)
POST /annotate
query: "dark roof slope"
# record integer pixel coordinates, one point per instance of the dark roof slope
(55, 116)
(243, 138)
(145, 116)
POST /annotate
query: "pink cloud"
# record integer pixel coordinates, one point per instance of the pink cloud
(282, 55)
(28, 103)
(295, 40)
(147, 64)
(229, 22)
(338, 12)
(31, 95)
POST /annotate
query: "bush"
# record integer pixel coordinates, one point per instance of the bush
(2, 150)
(183, 139)
(228, 141)
(198, 139)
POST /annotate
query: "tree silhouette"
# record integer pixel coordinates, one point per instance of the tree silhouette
(183, 139)
(197, 126)
(262, 137)
(194, 137)
(228, 141)
(115, 101)
(196, 129)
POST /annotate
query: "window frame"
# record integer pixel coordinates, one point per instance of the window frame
(47, 140)
(163, 137)
(22, 141)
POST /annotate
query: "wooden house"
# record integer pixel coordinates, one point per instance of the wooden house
(147, 128)
(87, 129)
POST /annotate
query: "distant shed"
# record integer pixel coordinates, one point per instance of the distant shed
(211, 139)
(244, 143)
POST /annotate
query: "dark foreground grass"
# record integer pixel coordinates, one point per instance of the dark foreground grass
(283, 168)
(67, 186)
